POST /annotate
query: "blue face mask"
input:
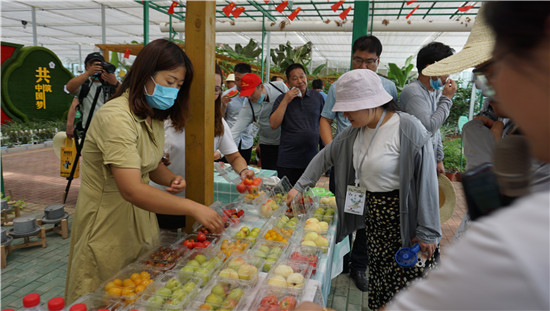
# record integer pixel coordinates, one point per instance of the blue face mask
(436, 84)
(261, 99)
(163, 97)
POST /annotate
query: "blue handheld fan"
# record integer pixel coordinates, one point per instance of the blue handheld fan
(406, 256)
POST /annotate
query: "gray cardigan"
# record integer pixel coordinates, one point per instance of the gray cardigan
(418, 193)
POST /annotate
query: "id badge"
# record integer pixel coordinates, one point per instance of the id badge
(355, 200)
(254, 129)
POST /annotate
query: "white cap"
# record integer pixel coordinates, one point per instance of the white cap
(230, 78)
(360, 89)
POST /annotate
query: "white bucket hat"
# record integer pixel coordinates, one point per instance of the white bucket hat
(477, 50)
(360, 89)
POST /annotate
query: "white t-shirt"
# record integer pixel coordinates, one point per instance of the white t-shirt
(174, 144)
(380, 169)
(501, 263)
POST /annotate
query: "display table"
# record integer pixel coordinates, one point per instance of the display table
(226, 191)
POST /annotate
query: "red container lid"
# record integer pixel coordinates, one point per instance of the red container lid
(56, 304)
(79, 307)
(31, 300)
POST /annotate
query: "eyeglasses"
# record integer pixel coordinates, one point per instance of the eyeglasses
(481, 80)
(358, 61)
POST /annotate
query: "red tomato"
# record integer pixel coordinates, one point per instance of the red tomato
(248, 181)
(257, 181)
(206, 243)
(188, 244)
(241, 188)
(201, 237)
(240, 213)
(198, 244)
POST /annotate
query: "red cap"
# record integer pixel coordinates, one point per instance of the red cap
(31, 300)
(56, 304)
(249, 82)
(78, 307)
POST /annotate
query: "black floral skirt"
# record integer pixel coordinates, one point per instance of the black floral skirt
(386, 277)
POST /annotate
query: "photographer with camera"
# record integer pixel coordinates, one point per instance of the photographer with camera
(98, 74)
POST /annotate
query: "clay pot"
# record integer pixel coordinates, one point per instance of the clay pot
(450, 175)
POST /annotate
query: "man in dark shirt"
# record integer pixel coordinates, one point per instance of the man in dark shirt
(297, 112)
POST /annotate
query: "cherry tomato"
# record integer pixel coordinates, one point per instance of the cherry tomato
(257, 181)
(188, 244)
(198, 244)
(240, 213)
(201, 237)
(248, 181)
(206, 243)
(241, 188)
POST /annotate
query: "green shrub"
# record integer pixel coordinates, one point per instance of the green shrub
(16, 133)
(452, 150)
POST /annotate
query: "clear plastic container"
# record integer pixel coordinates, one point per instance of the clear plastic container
(268, 296)
(221, 294)
(200, 264)
(270, 251)
(229, 245)
(289, 274)
(313, 239)
(163, 257)
(168, 293)
(191, 242)
(246, 230)
(127, 285)
(304, 253)
(241, 267)
(96, 302)
(323, 214)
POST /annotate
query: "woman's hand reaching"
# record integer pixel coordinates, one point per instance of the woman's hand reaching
(210, 219)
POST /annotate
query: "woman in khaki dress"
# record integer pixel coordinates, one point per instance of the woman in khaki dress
(114, 222)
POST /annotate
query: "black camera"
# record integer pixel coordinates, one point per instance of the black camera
(108, 67)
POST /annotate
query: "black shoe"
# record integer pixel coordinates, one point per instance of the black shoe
(360, 280)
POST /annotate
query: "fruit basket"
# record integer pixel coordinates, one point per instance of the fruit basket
(243, 268)
(128, 284)
(221, 294)
(167, 293)
(289, 274)
(275, 299)
(201, 264)
(163, 257)
(308, 254)
(270, 251)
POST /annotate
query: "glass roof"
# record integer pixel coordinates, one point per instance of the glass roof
(72, 28)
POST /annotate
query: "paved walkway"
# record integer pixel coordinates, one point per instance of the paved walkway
(33, 176)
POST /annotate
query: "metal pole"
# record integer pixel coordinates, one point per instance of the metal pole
(360, 25)
(34, 35)
(268, 58)
(103, 36)
(146, 22)
(263, 39)
(472, 102)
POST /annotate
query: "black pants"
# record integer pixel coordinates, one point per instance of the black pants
(358, 258)
(293, 174)
(269, 154)
(245, 153)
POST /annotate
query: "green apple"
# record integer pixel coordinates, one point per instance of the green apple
(219, 290)
(264, 248)
(245, 230)
(193, 263)
(200, 258)
(268, 264)
(229, 273)
(172, 284)
(213, 299)
(253, 234)
(189, 286)
(155, 303)
(188, 270)
(179, 294)
(260, 254)
(247, 272)
(235, 293)
(163, 292)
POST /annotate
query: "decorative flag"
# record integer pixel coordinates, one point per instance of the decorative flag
(344, 14)
(410, 2)
(266, 1)
(466, 7)
(127, 53)
(292, 16)
(236, 12)
(409, 15)
(171, 9)
(228, 8)
(335, 6)
(281, 7)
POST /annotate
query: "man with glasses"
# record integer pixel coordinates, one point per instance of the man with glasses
(429, 97)
(256, 111)
(366, 51)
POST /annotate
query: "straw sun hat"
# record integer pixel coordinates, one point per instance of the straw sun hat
(477, 50)
(447, 198)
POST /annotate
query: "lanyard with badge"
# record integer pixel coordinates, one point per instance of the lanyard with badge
(356, 195)
(255, 126)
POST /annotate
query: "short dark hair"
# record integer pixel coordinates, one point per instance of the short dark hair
(367, 43)
(518, 25)
(431, 53)
(292, 67)
(158, 55)
(274, 78)
(317, 84)
(243, 68)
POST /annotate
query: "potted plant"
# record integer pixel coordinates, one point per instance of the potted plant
(452, 162)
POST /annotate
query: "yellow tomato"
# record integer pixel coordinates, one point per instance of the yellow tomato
(145, 275)
(109, 286)
(114, 292)
(118, 282)
(135, 276)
